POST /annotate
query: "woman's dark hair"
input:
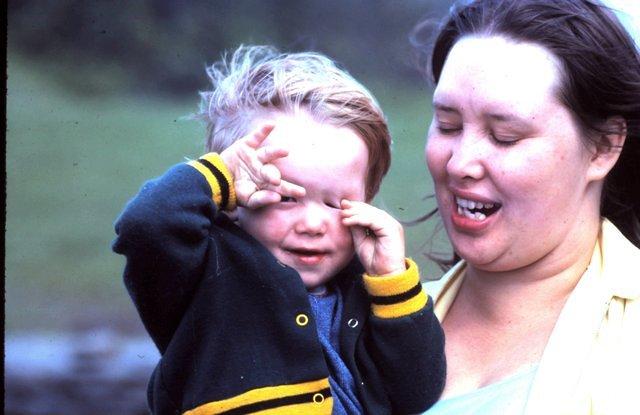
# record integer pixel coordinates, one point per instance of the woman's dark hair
(600, 77)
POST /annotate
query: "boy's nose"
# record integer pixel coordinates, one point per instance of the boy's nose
(312, 220)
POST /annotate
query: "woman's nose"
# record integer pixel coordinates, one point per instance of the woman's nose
(467, 158)
(312, 220)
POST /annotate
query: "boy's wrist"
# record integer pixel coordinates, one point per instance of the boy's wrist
(214, 169)
(396, 295)
(390, 269)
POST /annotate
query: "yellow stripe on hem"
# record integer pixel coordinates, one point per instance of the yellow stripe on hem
(211, 179)
(320, 405)
(301, 409)
(415, 303)
(384, 286)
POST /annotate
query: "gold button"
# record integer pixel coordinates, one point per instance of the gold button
(302, 320)
(318, 398)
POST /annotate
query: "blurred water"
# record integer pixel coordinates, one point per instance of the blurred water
(92, 372)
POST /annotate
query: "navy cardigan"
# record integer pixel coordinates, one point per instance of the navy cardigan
(234, 326)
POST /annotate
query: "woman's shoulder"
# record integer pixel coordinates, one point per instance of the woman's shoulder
(620, 262)
(444, 290)
(436, 287)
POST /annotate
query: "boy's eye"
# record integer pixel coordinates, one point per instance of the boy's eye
(287, 199)
(332, 205)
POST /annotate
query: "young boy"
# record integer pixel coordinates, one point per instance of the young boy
(247, 265)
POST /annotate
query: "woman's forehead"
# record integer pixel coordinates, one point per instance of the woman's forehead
(512, 76)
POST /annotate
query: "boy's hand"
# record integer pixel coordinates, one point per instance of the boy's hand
(257, 182)
(377, 237)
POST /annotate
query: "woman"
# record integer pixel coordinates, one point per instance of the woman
(534, 150)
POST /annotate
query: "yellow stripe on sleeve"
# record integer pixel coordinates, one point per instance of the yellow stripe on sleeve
(400, 309)
(216, 160)
(396, 295)
(213, 183)
(382, 286)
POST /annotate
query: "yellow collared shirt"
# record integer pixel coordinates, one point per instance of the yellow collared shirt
(591, 364)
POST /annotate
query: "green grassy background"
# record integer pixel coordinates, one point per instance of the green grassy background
(73, 162)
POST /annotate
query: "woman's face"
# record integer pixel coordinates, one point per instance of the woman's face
(508, 163)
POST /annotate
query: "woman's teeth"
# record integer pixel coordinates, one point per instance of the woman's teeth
(470, 215)
(475, 210)
(470, 204)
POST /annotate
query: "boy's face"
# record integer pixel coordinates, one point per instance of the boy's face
(308, 234)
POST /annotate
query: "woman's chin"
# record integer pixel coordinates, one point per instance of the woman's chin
(478, 256)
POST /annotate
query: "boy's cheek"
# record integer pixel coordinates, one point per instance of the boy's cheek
(263, 224)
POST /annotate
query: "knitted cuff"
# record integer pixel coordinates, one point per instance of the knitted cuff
(219, 178)
(396, 295)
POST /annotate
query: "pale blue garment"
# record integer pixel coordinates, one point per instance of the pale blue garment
(327, 308)
(505, 397)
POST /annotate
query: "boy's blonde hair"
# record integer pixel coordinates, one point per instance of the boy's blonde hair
(257, 80)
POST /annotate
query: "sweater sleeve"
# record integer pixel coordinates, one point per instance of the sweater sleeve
(406, 340)
(164, 233)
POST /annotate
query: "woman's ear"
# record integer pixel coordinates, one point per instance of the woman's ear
(611, 138)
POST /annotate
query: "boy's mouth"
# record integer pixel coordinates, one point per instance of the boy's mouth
(476, 210)
(307, 256)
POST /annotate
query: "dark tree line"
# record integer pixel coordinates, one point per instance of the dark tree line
(161, 46)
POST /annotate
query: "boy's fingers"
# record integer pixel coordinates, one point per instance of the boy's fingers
(282, 187)
(289, 189)
(270, 174)
(262, 198)
(251, 197)
(257, 136)
(355, 205)
(371, 219)
(244, 190)
(351, 208)
(359, 233)
(357, 220)
(268, 154)
(253, 169)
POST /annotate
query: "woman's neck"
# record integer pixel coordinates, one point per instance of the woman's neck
(542, 285)
(500, 322)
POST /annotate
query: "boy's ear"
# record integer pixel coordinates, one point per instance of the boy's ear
(607, 151)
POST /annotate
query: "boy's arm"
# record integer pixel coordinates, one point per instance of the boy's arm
(165, 230)
(164, 234)
(405, 337)
(406, 340)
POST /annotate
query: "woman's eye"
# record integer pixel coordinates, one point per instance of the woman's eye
(504, 141)
(448, 129)
(287, 199)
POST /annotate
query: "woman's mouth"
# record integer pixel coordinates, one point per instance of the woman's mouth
(476, 210)
(473, 216)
